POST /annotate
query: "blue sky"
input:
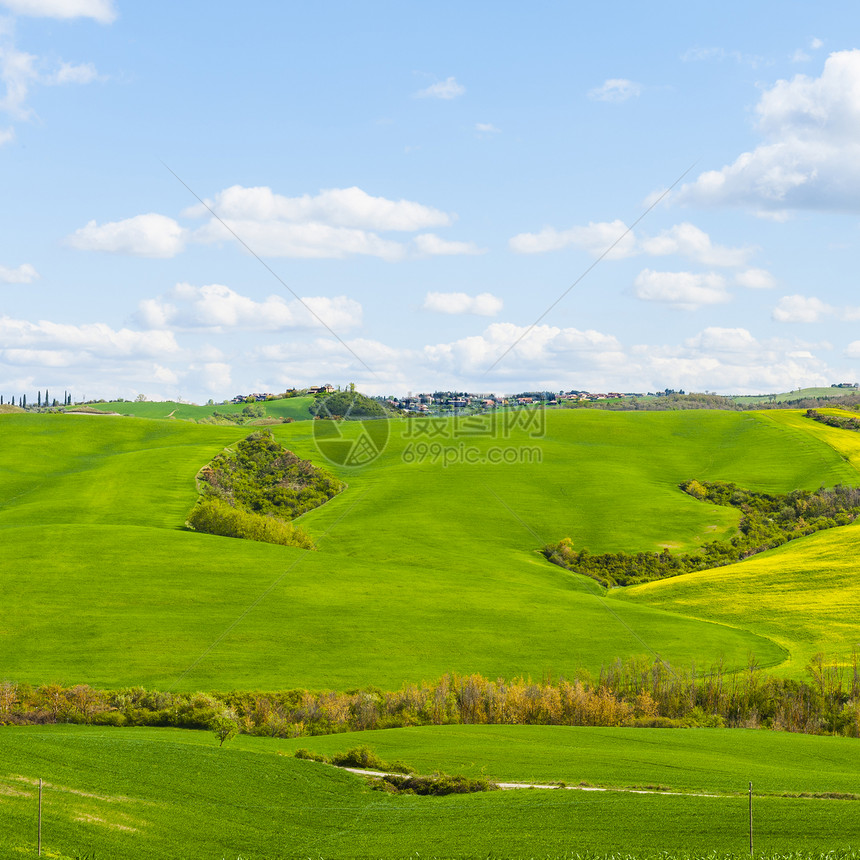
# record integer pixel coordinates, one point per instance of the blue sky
(425, 181)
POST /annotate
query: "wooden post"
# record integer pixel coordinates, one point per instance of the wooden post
(751, 842)
(40, 816)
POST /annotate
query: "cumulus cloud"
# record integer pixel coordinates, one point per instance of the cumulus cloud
(102, 11)
(24, 274)
(483, 304)
(487, 128)
(93, 339)
(6, 135)
(594, 238)
(683, 240)
(336, 207)
(805, 309)
(810, 156)
(216, 307)
(684, 290)
(150, 235)
(313, 240)
(615, 90)
(447, 89)
(809, 309)
(431, 245)
(687, 240)
(336, 223)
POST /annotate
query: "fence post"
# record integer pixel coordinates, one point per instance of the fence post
(751, 841)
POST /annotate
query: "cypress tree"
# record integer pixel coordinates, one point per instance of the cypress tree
(39, 398)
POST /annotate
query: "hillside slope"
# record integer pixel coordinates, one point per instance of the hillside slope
(423, 566)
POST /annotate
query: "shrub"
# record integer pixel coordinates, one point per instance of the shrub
(436, 785)
(215, 517)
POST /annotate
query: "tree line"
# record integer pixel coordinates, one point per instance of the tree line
(767, 520)
(640, 692)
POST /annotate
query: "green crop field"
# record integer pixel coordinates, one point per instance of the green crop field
(423, 567)
(149, 793)
(429, 562)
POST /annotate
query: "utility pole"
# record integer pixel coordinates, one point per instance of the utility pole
(40, 816)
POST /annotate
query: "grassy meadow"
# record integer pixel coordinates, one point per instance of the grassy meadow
(288, 407)
(422, 567)
(429, 562)
(149, 793)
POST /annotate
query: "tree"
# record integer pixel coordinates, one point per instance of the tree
(224, 729)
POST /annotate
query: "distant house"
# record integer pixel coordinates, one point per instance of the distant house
(321, 389)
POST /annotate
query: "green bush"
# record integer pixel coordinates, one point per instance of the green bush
(215, 517)
(436, 785)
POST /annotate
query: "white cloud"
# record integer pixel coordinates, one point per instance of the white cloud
(6, 135)
(447, 89)
(24, 274)
(313, 240)
(487, 128)
(484, 304)
(684, 290)
(810, 157)
(69, 73)
(815, 44)
(684, 240)
(431, 245)
(755, 279)
(805, 309)
(20, 71)
(102, 11)
(687, 240)
(149, 235)
(92, 339)
(615, 90)
(800, 56)
(336, 223)
(336, 207)
(217, 307)
(595, 238)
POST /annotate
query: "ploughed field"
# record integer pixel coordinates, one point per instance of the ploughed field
(422, 567)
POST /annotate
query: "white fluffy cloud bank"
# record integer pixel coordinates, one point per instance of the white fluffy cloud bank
(216, 307)
(684, 290)
(336, 223)
(810, 154)
(683, 240)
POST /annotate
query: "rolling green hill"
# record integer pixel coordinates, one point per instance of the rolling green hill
(425, 565)
(789, 396)
(144, 793)
(290, 407)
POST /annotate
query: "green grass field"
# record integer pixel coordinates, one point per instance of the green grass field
(149, 793)
(429, 562)
(290, 407)
(422, 568)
